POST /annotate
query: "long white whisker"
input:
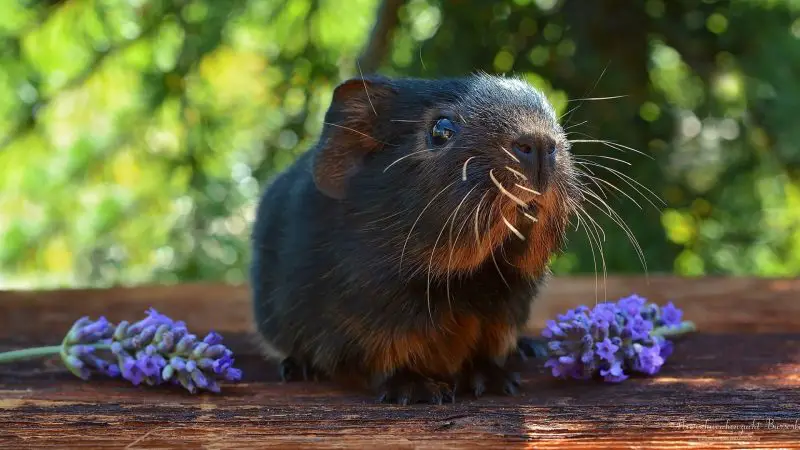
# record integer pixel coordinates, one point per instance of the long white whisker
(628, 180)
(403, 252)
(616, 218)
(464, 170)
(510, 154)
(517, 173)
(450, 239)
(532, 191)
(511, 227)
(358, 132)
(613, 187)
(505, 192)
(610, 144)
(402, 158)
(581, 157)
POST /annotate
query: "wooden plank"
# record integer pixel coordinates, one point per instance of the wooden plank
(734, 384)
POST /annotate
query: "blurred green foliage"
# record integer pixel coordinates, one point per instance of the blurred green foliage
(136, 136)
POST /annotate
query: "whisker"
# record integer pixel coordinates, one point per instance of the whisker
(477, 212)
(610, 144)
(628, 180)
(616, 218)
(505, 191)
(405, 120)
(517, 173)
(358, 64)
(575, 125)
(533, 219)
(405, 244)
(492, 252)
(614, 187)
(596, 98)
(402, 158)
(358, 132)
(581, 223)
(597, 233)
(433, 253)
(510, 154)
(582, 170)
(580, 157)
(532, 191)
(464, 170)
(511, 227)
(450, 239)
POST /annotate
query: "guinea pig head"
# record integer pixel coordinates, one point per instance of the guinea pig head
(466, 168)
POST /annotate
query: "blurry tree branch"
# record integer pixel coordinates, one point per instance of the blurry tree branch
(29, 121)
(378, 42)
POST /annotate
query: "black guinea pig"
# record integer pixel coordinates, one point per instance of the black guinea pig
(405, 248)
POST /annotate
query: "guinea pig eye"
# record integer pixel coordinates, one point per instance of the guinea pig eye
(442, 131)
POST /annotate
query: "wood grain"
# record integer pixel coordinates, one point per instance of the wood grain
(733, 384)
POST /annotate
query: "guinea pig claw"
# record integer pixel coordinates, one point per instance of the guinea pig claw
(405, 388)
(490, 377)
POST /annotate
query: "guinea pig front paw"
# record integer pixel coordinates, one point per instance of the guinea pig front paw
(292, 370)
(488, 376)
(407, 387)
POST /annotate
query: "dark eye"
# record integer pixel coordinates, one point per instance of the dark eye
(442, 131)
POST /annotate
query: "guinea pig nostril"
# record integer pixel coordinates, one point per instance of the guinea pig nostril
(551, 150)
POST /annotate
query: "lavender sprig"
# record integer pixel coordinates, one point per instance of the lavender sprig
(613, 340)
(154, 351)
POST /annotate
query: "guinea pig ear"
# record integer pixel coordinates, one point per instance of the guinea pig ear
(351, 131)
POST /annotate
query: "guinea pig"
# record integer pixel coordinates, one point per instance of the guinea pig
(405, 248)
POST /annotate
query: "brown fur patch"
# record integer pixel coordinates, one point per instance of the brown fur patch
(498, 339)
(544, 236)
(434, 351)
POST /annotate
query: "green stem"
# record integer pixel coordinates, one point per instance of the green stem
(29, 353)
(683, 328)
(35, 352)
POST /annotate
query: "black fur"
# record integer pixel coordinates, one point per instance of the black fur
(322, 264)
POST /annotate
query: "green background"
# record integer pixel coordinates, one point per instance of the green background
(136, 136)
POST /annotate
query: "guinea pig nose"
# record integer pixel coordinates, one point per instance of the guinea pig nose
(536, 156)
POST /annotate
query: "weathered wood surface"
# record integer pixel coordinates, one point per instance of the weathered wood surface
(733, 384)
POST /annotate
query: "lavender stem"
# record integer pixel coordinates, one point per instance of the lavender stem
(35, 352)
(29, 353)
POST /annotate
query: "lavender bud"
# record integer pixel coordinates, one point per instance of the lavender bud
(213, 338)
(116, 348)
(205, 364)
(185, 380)
(167, 372)
(199, 379)
(185, 343)
(233, 374)
(166, 343)
(177, 362)
(77, 367)
(191, 366)
(145, 336)
(80, 350)
(163, 328)
(121, 331)
(199, 349)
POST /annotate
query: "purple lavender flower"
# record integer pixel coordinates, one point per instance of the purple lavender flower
(671, 315)
(152, 351)
(613, 339)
